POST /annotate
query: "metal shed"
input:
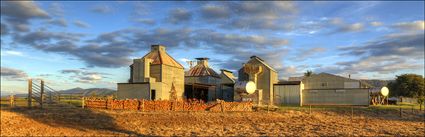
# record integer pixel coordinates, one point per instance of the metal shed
(329, 89)
(202, 82)
(288, 93)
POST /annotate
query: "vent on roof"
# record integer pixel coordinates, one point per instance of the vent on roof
(203, 61)
(157, 47)
(256, 57)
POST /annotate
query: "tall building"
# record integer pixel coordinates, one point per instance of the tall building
(264, 76)
(156, 76)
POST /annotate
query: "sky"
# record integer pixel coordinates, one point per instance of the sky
(91, 44)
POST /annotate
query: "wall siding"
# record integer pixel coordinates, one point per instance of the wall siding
(332, 97)
(169, 75)
(131, 90)
(332, 82)
(287, 94)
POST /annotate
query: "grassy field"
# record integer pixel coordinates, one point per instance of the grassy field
(68, 120)
(404, 106)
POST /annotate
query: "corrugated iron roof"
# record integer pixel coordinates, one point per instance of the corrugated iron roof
(228, 74)
(201, 69)
(296, 78)
(162, 57)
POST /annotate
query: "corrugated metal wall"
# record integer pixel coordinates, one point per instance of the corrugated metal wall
(287, 94)
(336, 97)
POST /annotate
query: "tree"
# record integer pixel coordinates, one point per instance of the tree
(308, 73)
(93, 94)
(408, 85)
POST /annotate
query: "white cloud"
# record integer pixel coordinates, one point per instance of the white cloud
(11, 53)
(376, 23)
(352, 27)
(81, 24)
(410, 26)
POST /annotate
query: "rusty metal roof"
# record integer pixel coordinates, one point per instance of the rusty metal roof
(201, 69)
(162, 57)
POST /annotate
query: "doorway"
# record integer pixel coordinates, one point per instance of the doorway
(153, 94)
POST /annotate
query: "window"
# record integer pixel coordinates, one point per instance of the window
(324, 84)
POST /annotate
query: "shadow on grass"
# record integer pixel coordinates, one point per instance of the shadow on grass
(65, 115)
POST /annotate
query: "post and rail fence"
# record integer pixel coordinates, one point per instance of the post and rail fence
(41, 93)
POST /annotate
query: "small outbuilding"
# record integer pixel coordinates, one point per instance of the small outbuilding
(202, 82)
(288, 92)
(227, 84)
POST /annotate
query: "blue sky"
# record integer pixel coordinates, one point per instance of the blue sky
(91, 44)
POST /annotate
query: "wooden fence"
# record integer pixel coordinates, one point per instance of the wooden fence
(165, 105)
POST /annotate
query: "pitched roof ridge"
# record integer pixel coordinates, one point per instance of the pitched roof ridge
(264, 63)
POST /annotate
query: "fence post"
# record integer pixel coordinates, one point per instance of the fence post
(138, 104)
(221, 105)
(309, 110)
(123, 103)
(12, 100)
(29, 93)
(41, 93)
(401, 112)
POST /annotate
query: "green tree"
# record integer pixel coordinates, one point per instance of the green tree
(408, 85)
(308, 73)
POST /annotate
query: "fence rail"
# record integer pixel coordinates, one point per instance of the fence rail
(165, 105)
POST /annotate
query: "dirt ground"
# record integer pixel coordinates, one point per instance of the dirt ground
(72, 121)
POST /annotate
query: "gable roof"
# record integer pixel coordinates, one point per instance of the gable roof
(162, 57)
(329, 74)
(296, 78)
(228, 74)
(262, 62)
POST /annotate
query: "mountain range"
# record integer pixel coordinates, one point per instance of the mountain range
(79, 91)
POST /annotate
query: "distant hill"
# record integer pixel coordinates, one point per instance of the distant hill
(77, 91)
(377, 82)
(89, 91)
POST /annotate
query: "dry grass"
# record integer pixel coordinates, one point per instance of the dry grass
(72, 121)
